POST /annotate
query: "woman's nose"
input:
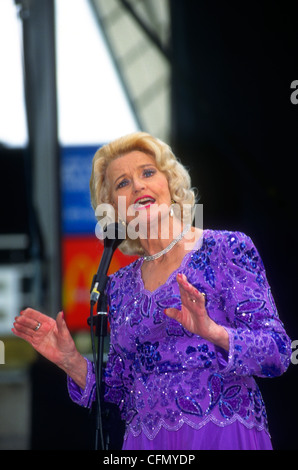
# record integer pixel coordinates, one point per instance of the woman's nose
(138, 184)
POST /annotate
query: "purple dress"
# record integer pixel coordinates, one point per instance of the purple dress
(175, 390)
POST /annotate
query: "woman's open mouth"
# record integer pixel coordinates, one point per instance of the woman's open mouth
(143, 202)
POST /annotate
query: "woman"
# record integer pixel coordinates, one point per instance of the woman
(192, 319)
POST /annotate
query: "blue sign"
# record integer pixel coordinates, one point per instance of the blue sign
(78, 216)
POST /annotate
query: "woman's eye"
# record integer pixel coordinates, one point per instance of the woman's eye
(122, 184)
(149, 172)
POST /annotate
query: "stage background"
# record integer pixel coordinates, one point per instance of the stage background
(230, 120)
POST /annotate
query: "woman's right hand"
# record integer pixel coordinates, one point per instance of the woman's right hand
(52, 340)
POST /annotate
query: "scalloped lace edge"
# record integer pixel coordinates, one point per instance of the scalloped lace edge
(213, 419)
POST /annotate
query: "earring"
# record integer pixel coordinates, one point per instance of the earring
(171, 209)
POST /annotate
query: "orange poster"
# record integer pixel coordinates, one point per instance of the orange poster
(81, 258)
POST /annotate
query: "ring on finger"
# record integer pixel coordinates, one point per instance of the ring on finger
(37, 326)
(194, 300)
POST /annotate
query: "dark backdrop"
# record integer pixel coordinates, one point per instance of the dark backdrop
(235, 126)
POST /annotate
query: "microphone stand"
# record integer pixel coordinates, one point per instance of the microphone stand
(98, 325)
(99, 322)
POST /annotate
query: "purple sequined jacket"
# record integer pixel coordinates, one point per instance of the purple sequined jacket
(162, 375)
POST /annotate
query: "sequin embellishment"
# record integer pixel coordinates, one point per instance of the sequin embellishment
(159, 374)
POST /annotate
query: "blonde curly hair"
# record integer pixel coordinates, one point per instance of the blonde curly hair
(177, 176)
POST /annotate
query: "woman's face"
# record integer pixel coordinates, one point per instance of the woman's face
(136, 183)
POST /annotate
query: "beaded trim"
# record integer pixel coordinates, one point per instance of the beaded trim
(169, 247)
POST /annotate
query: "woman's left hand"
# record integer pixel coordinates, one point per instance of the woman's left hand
(193, 315)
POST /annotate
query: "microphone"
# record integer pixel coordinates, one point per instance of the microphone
(114, 235)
